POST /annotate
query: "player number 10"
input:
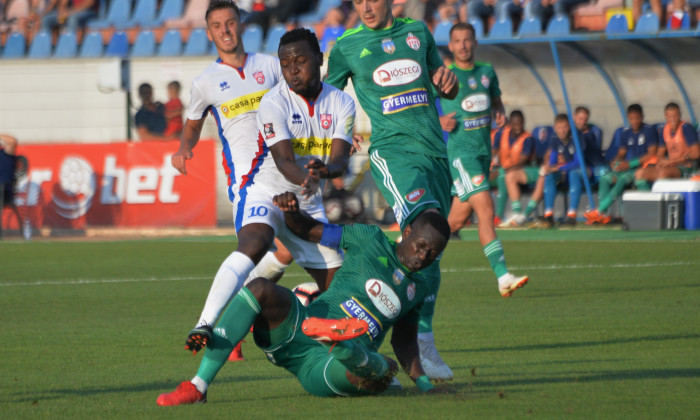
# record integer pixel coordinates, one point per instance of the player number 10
(258, 211)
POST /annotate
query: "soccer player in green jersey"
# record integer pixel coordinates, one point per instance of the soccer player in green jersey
(380, 285)
(468, 120)
(396, 70)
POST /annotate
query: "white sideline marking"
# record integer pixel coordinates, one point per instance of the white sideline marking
(447, 270)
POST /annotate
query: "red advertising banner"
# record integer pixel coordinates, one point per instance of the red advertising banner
(119, 184)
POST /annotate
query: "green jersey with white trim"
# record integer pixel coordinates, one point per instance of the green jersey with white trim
(478, 87)
(390, 70)
(372, 285)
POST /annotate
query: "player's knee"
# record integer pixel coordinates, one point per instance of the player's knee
(261, 288)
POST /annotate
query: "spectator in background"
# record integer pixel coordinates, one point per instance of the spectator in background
(500, 9)
(656, 7)
(173, 111)
(74, 14)
(334, 28)
(285, 11)
(150, 118)
(452, 11)
(415, 9)
(546, 9)
(8, 165)
(680, 140)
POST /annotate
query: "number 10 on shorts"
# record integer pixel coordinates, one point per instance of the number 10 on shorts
(259, 211)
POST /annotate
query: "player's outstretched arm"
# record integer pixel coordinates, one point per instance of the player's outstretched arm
(338, 163)
(189, 139)
(404, 340)
(300, 223)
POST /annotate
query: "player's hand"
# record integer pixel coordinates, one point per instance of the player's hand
(620, 166)
(310, 184)
(664, 163)
(448, 122)
(500, 118)
(317, 165)
(356, 140)
(444, 80)
(198, 338)
(286, 202)
(179, 159)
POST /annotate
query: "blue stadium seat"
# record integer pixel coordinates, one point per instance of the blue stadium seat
(198, 43)
(15, 46)
(559, 25)
(330, 36)
(253, 38)
(144, 14)
(171, 44)
(442, 33)
(502, 28)
(91, 46)
(617, 25)
(118, 46)
(41, 46)
(321, 10)
(169, 9)
(67, 45)
(117, 16)
(272, 41)
(478, 27)
(530, 27)
(542, 135)
(213, 50)
(648, 23)
(145, 45)
(614, 147)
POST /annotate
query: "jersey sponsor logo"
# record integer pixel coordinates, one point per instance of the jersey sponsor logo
(476, 103)
(415, 195)
(355, 309)
(312, 146)
(269, 130)
(224, 85)
(259, 77)
(365, 52)
(398, 276)
(397, 72)
(326, 121)
(485, 82)
(477, 180)
(404, 100)
(242, 104)
(411, 291)
(383, 298)
(296, 118)
(475, 123)
(472, 83)
(413, 41)
(388, 45)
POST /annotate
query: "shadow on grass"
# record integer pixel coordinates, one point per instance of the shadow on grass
(639, 374)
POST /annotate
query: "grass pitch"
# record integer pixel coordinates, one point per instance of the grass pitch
(609, 327)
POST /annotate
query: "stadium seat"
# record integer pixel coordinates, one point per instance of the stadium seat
(685, 23)
(253, 38)
(15, 46)
(169, 9)
(67, 45)
(648, 23)
(198, 43)
(530, 27)
(617, 25)
(612, 150)
(272, 41)
(92, 46)
(478, 27)
(117, 16)
(502, 28)
(559, 25)
(118, 45)
(317, 15)
(144, 14)
(192, 16)
(442, 33)
(542, 134)
(171, 44)
(145, 45)
(330, 36)
(41, 46)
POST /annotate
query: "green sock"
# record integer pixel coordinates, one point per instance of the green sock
(615, 193)
(515, 206)
(502, 196)
(230, 330)
(494, 253)
(531, 206)
(604, 185)
(432, 274)
(642, 185)
(360, 361)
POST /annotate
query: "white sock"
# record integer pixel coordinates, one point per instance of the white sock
(228, 281)
(269, 267)
(200, 384)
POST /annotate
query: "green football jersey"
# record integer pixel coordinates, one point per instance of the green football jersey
(372, 285)
(478, 86)
(390, 70)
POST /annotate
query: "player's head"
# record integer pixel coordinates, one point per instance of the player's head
(561, 126)
(174, 89)
(672, 113)
(635, 116)
(301, 59)
(517, 122)
(581, 115)
(462, 43)
(224, 26)
(374, 14)
(146, 92)
(423, 240)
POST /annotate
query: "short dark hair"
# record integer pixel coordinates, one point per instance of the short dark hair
(174, 84)
(517, 113)
(561, 117)
(582, 108)
(301, 34)
(221, 4)
(672, 105)
(463, 26)
(435, 220)
(145, 88)
(635, 108)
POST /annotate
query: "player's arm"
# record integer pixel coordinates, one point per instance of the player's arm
(8, 143)
(498, 111)
(619, 164)
(305, 226)
(693, 152)
(445, 82)
(337, 164)
(404, 341)
(190, 137)
(283, 154)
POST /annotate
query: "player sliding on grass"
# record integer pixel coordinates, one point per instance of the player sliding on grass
(379, 286)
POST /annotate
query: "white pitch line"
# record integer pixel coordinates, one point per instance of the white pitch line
(446, 270)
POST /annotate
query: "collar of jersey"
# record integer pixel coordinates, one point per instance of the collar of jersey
(238, 69)
(309, 103)
(454, 65)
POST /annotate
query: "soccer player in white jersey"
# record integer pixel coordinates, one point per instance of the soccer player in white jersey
(307, 126)
(231, 90)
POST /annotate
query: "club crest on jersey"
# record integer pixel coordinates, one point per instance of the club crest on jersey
(398, 276)
(414, 196)
(269, 131)
(388, 45)
(326, 120)
(411, 291)
(224, 85)
(472, 83)
(485, 81)
(477, 180)
(413, 41)
(259, 77)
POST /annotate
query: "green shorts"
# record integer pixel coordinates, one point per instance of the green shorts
(411, 180)
(318, 372)
(470, 175)
(687, 171)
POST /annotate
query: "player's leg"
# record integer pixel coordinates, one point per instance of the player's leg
(670, 172)
(575, 186)
(513, 179)
(532, 177)
(550, 193)
(459, 214)
(273, 264)
(643, 178)
(503, 193)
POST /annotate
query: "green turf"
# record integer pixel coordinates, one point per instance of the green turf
(607, 328)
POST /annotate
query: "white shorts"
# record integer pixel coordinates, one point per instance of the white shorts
(255, 206)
